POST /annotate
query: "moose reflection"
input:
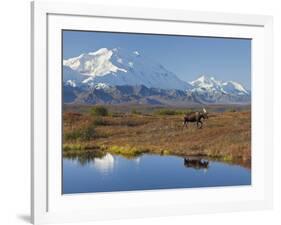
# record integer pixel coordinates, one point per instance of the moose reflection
(196, 163)
(195, 117)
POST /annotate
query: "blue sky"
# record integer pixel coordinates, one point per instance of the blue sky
(188, 57)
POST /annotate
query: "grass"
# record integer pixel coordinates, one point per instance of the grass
(225, 136)
(127, 151)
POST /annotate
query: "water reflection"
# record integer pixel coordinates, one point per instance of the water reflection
(137, 160)
(196, 163)
(104, 164)
(104, 172)
(85, 158)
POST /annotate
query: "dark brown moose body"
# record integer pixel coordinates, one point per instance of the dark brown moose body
(195, 117)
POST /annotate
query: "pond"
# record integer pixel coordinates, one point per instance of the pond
(147, 172)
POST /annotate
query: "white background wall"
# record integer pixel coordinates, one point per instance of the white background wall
(15, 104)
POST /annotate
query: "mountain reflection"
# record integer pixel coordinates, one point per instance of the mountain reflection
(104, 164)
(137, 160)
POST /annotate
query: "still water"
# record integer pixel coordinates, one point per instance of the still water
(147, 172)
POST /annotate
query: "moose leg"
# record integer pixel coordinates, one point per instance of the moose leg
(201, 124)
(185, 122)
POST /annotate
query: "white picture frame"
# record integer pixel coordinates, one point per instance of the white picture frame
(47, 203)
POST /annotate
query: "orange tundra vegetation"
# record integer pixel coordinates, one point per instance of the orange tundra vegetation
(225, 136)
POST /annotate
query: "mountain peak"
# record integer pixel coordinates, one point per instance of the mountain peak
(93, 64)
(210, 87)
(205, 78)
(205, 82)
(101, 51)
(122, 67)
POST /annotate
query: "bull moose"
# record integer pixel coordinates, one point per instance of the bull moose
(195, 117)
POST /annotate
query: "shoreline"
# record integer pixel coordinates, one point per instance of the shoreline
(98, 152)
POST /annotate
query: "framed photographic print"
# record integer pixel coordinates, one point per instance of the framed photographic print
(148, 112)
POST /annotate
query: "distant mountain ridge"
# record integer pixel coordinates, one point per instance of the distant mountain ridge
(116, 76)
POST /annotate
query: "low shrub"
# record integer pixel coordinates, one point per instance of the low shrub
(70, 147)
(130, 123)
(134, 111)
(100, 122)
(165, 152)
(117, 114)
(72, 135)
(88, 133)
(84, 153)
(70, 118)
(78, 147)
(99, 111)
(85, 133)
(169, 112)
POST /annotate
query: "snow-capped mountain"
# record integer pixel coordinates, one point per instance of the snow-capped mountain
(120, 67)
(209, 90)
(113, 76)
(204, 83)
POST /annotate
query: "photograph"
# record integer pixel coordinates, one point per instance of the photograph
(145, 111)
